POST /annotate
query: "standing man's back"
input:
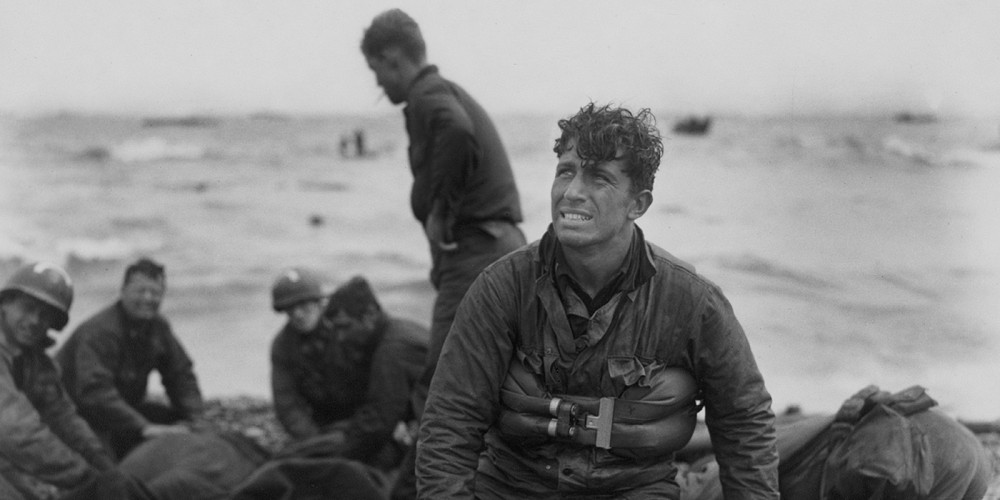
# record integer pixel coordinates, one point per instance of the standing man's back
(457, 158)
(463, 193)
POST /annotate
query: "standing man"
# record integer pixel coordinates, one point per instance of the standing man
(463, 190)
(342, 370)
(107, 361)
(42, 439)
(576, 365)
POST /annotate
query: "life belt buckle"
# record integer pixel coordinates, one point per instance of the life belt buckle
(602, 422)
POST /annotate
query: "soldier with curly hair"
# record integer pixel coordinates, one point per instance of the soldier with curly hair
(576, 365)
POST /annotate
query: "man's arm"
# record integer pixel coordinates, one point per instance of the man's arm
(395, 365)
(60, 415)
(737, 404)
(454, 155)
(178, 378)
(292, 410)
(97, 397)
(464, 395)
(31, 445)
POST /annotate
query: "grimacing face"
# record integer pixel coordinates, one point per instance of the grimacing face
(25, 320)
(591, 207)
(142, 295)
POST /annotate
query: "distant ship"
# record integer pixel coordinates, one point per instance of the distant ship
(180, 121)
(908, 117)
(693, 125)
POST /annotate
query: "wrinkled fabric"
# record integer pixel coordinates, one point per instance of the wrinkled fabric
(195, 466)
(895, 446)
(676, 318)
(875, 451)
(311, 479)
(106, 365)
(320, 384)
(42, 438)
(456, 156)
(113, 485)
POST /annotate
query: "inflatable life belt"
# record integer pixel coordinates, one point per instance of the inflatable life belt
(644, 422)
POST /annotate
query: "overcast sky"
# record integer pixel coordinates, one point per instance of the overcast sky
(747, 56)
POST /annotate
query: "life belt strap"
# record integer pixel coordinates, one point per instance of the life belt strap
(665, 435)
(621, 410)
(664, 423)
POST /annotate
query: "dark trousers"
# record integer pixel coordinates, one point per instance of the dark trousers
(452, 275)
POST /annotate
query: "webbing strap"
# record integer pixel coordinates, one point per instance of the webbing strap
(624, 410)
(658, 437)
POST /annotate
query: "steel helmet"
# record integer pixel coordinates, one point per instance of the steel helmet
(295, 285)
(46, 282)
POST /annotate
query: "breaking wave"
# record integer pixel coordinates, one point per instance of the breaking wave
(156, 149)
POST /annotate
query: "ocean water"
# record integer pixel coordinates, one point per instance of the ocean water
(855, 251)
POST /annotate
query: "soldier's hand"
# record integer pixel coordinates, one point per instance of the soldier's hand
(439, 233)
(405, 433)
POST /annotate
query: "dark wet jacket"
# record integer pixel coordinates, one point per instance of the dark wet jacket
(41, 435)
(456, 156)
(671, 317)
(106, 365)
(363, 390)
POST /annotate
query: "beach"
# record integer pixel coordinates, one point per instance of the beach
(855, 250)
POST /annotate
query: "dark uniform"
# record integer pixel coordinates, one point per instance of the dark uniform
(656, 314)
(41, 436)
(363, 390)
(460, 168)
(106, 365)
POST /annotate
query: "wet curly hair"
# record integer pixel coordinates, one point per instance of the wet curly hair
(607, 133)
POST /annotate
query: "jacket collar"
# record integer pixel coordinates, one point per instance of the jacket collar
(640, 254)
(430, 69)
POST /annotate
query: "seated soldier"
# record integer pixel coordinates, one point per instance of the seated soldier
(44, 444)
(107, 361)
(342, 370)
(877, 446)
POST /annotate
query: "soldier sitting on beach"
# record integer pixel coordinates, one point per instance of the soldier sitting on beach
(107, 361)
(44, 444)
(342, 370)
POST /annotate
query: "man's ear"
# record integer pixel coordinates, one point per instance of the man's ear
(640, 203)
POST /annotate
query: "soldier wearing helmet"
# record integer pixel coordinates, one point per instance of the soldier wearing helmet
(43, 442)
(342, 370)
(107, 361)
